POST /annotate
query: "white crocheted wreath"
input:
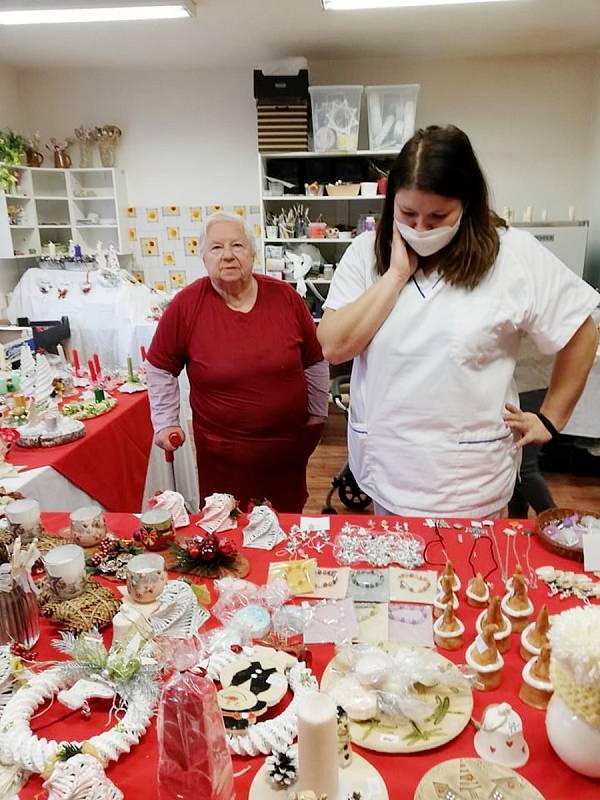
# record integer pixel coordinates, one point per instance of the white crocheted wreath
(273, 734)
(20, 746)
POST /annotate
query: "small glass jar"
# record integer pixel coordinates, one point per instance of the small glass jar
(19, 617)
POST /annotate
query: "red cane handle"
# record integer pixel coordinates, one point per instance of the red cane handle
(176, 441)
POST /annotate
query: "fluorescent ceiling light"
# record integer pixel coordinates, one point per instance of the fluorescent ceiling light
(63, 11)
(355, 5)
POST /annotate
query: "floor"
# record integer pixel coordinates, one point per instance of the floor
(569, 490)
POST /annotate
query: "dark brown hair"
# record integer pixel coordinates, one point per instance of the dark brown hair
(442, 161)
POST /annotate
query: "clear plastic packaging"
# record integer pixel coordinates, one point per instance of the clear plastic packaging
(193, 757)
(336, 117)
(355, 545)
(391, 111)
(19, 612)
(246, 608)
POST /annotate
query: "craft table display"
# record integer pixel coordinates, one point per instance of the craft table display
(109, 464)
(103, 320)
(135, 773)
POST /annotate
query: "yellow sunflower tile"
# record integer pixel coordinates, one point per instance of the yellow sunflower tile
(240, 211)
(152, 215)
(149, 247)
(178, 279)
(138, 274)
(214, 209)
(160, 285)
(169, 259)
(173, 233)
(191, 245)
(170, 211)
(196, 214)
(132, 233)
(132, 211)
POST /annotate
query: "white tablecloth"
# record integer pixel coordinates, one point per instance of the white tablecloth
(110, 321)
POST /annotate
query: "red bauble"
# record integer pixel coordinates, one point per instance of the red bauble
(209, 549)
(227, 548)
(194, 551)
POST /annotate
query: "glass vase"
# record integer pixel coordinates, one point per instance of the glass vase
(107, 153)
(85, 154)
(19, 617)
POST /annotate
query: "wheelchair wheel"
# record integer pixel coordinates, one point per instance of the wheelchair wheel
(350, 493)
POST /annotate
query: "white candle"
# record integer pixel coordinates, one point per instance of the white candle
(317, 745)
(66, 562)
(528, 214)
(571, 213)
(61, 353)
(51, 249)
(24, 519)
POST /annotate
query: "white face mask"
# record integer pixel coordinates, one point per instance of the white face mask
(426, 243)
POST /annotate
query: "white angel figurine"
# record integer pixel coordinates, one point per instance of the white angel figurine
(263, 530)
(218, 513)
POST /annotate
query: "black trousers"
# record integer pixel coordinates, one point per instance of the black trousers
(531, 488)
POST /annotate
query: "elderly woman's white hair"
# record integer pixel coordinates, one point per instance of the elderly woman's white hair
(226, 216)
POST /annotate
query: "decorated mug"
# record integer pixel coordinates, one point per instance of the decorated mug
(156, 531)
(332, 233)
(88, 527)
(146, 577)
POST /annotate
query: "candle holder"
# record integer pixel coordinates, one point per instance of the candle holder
(24, 519)
(146, 577)
(156, 531)
(65, 568)
(88, 526)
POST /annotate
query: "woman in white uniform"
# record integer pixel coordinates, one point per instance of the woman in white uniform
(432, 307)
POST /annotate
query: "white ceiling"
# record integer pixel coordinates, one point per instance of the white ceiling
(229, 33)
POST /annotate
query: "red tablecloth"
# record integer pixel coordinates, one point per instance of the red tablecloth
(110, 462)
(135, 772)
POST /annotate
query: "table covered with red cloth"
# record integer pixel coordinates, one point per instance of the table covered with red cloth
(110, 462)
(135, 772)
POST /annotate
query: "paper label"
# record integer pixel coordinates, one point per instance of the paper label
(315, 523)
(591, 552)
(389, 738)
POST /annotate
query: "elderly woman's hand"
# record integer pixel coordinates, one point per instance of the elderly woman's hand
(530, 427)
(162, 437)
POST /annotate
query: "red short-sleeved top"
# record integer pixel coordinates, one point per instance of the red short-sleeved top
(246, 370)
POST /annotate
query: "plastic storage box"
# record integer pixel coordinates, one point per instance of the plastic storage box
(336, 117)
(391, 111)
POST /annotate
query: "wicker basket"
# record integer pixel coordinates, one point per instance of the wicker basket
(343, 189)
(553, 515)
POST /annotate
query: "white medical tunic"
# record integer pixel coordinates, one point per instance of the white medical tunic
(426, 435)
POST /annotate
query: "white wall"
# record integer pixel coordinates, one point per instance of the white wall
(189, 137)
(10, 108)
(593, 266)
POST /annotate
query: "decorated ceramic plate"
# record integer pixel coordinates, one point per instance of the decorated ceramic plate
(83, 410)
(474, 778)
(450, 709)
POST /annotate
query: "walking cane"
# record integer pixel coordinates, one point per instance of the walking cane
(175, 440)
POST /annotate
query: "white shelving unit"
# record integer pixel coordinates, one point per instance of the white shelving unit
(306, 167)
(56, 203)
(324, 168)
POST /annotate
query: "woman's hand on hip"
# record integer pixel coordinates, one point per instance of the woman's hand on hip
(528, 427)
(162, 437)
(403, 261)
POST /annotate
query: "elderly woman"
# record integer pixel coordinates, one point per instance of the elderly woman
(258, 381)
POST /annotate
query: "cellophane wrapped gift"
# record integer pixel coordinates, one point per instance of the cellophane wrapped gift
(193, 760)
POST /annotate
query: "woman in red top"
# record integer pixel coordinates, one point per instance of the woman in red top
(258, 381)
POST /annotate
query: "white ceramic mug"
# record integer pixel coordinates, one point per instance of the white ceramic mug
(368, 188)
(146, 577)
(88, 526)
(65, 568)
